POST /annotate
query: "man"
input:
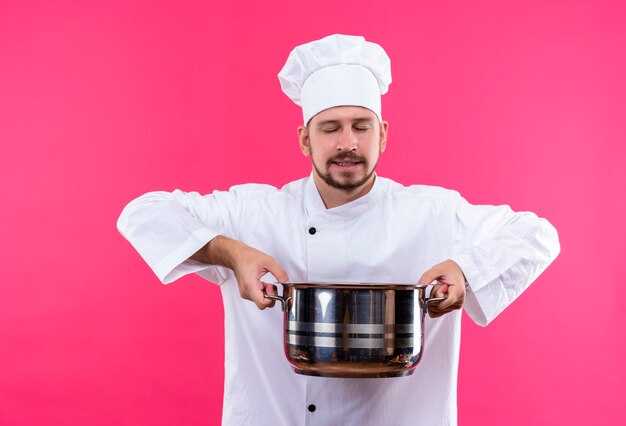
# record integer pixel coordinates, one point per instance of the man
(342, 224)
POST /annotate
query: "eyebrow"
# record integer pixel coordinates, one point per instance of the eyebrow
(356, 120)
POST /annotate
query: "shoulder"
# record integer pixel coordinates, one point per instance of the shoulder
(252, 189)
(261, 188)
(396, 190)
(263, 191)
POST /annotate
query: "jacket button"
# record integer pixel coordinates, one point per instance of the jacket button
(312, 231)
(311, 407)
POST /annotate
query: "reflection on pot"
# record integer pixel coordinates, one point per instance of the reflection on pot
(354, 330)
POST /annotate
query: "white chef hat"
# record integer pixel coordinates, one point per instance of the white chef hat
(334, 71)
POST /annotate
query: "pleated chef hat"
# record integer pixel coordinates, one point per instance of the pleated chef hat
(337, 70)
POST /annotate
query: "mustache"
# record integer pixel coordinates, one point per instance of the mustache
(346, 156)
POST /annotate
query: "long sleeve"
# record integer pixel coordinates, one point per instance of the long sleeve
(167, 228)
(501, 253)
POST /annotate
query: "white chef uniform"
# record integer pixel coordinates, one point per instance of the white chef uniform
(392, 234)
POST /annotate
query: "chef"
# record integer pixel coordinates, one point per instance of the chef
(342, 223)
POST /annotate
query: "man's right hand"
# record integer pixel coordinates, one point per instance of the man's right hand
(248, 264)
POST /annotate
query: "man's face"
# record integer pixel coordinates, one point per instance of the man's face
(344, 144)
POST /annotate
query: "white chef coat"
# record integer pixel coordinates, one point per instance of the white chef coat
(392, 234)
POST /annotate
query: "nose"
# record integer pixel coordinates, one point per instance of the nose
(347, 140)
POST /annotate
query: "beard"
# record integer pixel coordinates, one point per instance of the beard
(350, 182)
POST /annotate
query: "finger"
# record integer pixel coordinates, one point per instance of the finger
(451, 297)
(278, 272)
(455, 299)
(434, 312)
(445, 305)
(272, 291)
(439, 290)
(256, 294)
(429, 276)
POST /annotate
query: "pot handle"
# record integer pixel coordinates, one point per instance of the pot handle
(430, 300)
(283, 301)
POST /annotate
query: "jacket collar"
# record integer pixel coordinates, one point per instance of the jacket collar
(315, 205)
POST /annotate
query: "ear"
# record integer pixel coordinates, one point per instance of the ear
(305, 142)
(384, 127)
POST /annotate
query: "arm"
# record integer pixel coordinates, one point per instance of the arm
(497, 254)
(248, 264)
(166, 228)
(501, 252)
(180, 233)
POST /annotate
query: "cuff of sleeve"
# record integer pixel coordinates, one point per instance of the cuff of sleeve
(215, 273)
(176, 264)
(478, 297)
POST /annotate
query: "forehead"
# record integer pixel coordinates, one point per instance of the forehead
(344, 113)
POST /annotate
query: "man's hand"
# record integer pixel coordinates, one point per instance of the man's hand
(248, 264)
(450, 282)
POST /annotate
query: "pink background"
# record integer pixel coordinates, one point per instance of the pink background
(516, 102)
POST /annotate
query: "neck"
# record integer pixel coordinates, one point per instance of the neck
(335, 197)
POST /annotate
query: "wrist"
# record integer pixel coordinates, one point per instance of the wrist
(224, 251)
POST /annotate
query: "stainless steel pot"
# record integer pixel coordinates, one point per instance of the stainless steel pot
(354, 330)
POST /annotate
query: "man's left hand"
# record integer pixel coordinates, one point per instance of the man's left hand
(450, 282)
